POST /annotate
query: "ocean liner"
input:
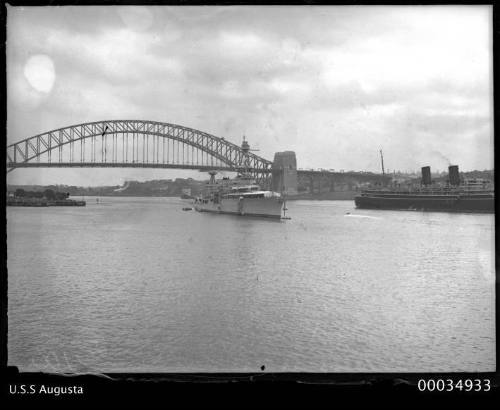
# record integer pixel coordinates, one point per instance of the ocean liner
(240, 195)
(473, 195)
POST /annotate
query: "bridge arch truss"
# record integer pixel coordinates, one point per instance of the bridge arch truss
(135, 144)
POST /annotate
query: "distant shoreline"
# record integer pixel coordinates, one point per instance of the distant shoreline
(42, 202)
(328, 196)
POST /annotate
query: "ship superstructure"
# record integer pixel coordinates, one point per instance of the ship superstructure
(240, 195)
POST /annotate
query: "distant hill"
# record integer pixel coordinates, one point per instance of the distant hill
(159, 187)
(486, 174)
(443, 176)
(173, 188)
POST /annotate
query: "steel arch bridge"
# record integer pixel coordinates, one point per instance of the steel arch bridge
(133, 144)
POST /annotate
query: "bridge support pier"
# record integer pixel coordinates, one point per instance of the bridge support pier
(284, 173)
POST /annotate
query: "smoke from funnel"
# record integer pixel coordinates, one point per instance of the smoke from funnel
(442, 157)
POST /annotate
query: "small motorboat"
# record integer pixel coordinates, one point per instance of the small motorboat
(187, 208)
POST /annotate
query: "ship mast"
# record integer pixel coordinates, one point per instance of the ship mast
(244, 166)
(382, 160)
(245, 160)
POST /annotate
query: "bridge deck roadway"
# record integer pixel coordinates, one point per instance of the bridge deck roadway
(12, 165)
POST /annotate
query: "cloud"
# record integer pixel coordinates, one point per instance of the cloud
(136, 18)
(332, 83)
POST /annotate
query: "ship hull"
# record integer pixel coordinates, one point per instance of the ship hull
(446, 203)
(259, 207)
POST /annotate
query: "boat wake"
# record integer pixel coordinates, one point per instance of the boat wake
(362, 216)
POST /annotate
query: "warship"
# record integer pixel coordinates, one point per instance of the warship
(240, 195)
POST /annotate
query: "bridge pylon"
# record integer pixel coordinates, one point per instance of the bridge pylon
(284, 173)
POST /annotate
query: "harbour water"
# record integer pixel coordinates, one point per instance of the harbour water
(138, 285)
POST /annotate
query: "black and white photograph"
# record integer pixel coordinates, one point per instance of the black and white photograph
(250, 189)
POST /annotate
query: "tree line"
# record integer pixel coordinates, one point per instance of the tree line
(48, 194)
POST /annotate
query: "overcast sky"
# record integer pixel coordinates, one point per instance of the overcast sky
(334, 84)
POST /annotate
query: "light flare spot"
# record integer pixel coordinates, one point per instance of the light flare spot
(40, 72)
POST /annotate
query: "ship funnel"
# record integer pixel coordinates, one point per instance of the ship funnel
(454, 175)
(426, 176)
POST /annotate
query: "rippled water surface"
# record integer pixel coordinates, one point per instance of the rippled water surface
(136, 284)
